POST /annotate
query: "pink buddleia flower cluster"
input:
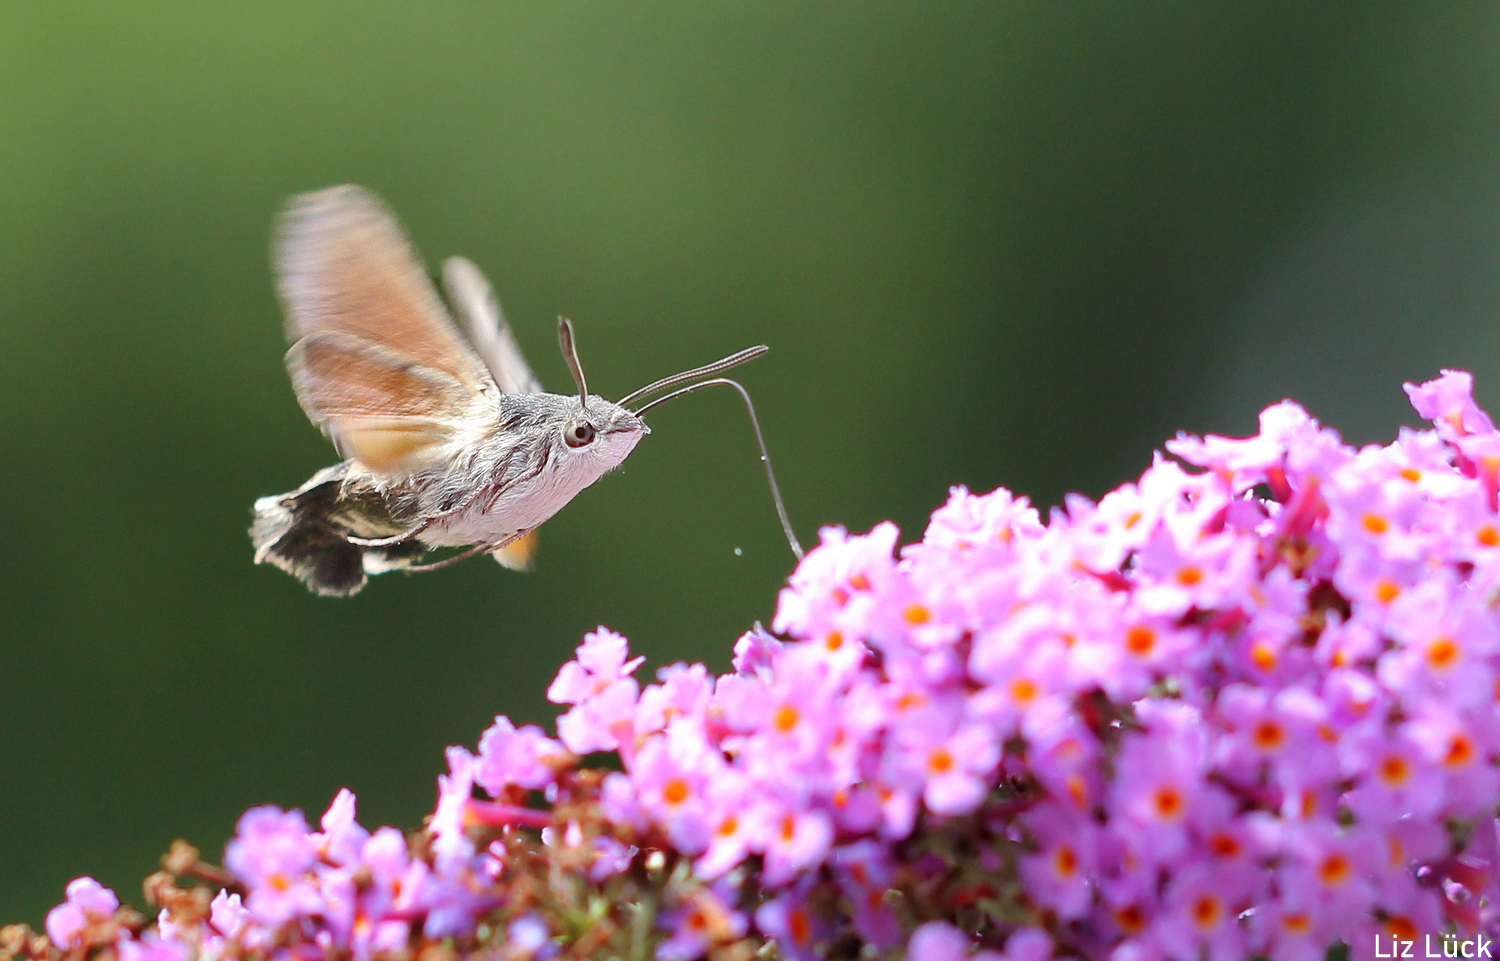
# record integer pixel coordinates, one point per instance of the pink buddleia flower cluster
(1244, 706)
(348, 892)
(1248, 705)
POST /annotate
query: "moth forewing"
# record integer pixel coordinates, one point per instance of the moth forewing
(388, 412)
(376, 361)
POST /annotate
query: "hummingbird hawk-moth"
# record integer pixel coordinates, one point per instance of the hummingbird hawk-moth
(449, 439)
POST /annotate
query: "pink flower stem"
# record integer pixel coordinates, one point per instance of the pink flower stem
(495, 815)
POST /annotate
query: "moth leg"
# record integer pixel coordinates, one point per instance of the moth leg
(397, 557)
(474, 551)
(391, 541)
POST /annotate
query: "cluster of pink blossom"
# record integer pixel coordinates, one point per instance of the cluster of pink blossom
(1246, 706)
(344, 890)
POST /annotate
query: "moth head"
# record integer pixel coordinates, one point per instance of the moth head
(585, 441)
(599, 432)
(594, 431)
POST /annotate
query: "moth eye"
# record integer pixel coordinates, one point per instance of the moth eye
(580, 433)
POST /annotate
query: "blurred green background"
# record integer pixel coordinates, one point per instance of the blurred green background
(989, 243)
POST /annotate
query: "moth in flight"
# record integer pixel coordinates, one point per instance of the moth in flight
(448, 438)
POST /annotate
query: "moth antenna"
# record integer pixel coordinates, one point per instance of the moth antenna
(733, 360)
(570, 354)
(760, 440)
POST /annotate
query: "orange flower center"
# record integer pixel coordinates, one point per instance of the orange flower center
(1131, 919)
(1206, 911)
(799, 926)
(1269, 736)
(675, 791)
(1139, 640)
(1400, 926)
(1442, 652)
(1335, 870)
(1460, 751)
(1224, 845)
(1169, 802)
(1394, 770)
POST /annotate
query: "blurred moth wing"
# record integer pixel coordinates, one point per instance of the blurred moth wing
(376, 362)
(474, 299)
(478, 308)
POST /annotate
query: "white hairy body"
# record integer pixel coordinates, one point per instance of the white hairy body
(512, 502)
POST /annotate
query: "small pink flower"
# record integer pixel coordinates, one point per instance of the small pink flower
(1449, 403)
(797, 929)
(1058, 874)
(794, 841)
(450, 822)
(89, 904)
(151, 946)
(671, 775)
(938, 941)
(1203, 905)
(600, 661)
(603, 694)
(342, 837)
(508, 755)
(274, 852)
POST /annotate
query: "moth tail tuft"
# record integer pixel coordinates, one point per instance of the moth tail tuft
(292, 533)
(297, 532)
